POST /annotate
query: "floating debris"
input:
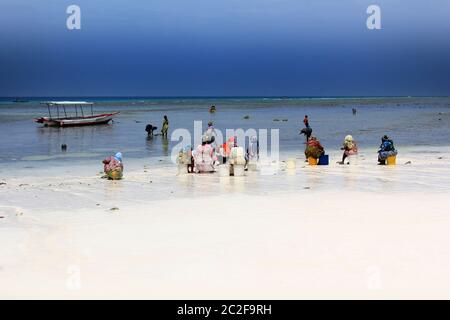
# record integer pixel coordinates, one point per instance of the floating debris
(408, 162)
(114, 209)
(276, 119)
(2, 183)
(247, 117)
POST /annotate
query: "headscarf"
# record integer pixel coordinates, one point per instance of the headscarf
(118, 156)
(349, 143)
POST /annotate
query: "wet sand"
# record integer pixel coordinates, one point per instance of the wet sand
(358, 231)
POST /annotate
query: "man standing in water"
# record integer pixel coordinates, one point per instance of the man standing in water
(306, 121)
(211, 134)
(165, 127)
(307, 131)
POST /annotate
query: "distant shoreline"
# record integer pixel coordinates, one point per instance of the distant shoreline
(12, 98)
(221, 101)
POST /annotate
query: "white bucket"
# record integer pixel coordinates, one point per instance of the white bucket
(291, 163)
(238, 170)
(224, 170)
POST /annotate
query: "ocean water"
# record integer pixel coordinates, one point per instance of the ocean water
(409, 121)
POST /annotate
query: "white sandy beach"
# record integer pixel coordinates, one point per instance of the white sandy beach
(358, 231)
(221, 83)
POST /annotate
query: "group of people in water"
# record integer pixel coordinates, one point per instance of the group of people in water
(314, 148)
(209, 153)
(165, 128)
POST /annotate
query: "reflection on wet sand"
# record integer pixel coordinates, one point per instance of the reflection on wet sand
(313, 177)
(113, 189)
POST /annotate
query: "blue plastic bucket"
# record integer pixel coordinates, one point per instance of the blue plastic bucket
(323, 160)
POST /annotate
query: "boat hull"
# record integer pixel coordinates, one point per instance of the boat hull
(77, 121)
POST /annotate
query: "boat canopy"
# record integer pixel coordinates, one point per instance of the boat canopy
(67, 103)
(63, 104)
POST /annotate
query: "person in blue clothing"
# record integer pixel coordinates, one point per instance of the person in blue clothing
(387, 149)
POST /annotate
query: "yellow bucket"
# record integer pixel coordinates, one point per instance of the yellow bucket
(312, 161)
(115, 175)
(391, 161)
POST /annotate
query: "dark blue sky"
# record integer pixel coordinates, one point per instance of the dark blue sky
(224, 47)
